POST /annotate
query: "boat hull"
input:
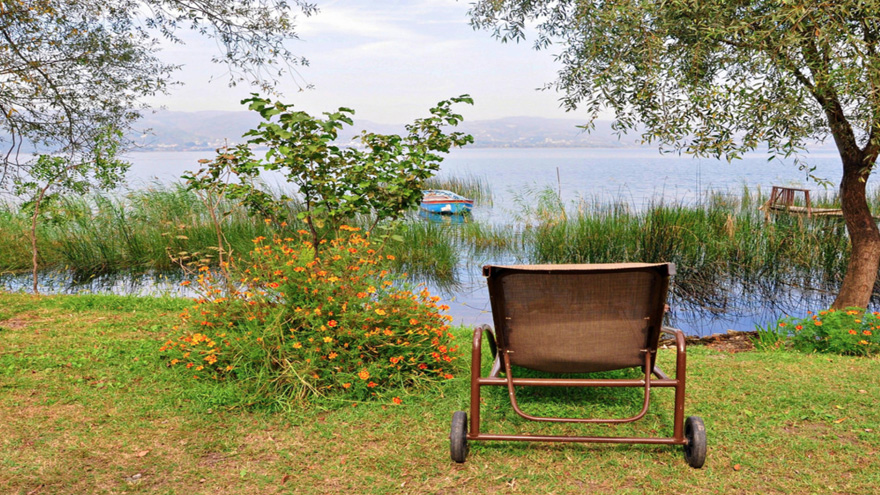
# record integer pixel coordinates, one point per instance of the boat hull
(444, 202)
(457, 207)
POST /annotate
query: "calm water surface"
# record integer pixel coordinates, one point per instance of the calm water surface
(636, 177)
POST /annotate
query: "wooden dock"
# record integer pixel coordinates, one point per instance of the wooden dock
(803, 210)
(782, 200)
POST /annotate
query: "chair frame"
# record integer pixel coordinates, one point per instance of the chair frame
(501, 359)
(690, 434)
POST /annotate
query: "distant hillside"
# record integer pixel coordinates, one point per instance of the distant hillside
(207, 130)
(167, 130)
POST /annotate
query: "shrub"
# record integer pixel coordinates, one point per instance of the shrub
(338, 327)
(851, 331)
(771, 337)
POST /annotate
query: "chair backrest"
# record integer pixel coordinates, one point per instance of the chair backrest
(578, 318)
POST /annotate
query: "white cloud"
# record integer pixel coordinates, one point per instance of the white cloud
(391, 60)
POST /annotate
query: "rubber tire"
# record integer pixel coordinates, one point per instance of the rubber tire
(695, 450)
(458, 444)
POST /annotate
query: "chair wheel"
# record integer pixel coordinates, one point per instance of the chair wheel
(695, 450)
(458, 444)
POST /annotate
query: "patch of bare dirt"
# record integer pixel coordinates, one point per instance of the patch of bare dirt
(17, 322)
(732, 341)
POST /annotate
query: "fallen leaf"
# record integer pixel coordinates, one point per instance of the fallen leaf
(863, 391)
(285, 478)
(737, 467)
(838, 421)
(143, 453)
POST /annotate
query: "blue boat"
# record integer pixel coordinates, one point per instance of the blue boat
(445, 202)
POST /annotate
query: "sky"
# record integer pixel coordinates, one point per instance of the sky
(389, 60)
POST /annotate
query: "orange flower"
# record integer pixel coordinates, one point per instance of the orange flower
(799, 327)
(395, 360)
(364, 374)
(817, 323)
(380, 312)
(397, 401)
(372, 384)
(423, 366)
(332, 323)
(782, 324)
(853, 332)
(332, 355)
(866, 332)
(346, 385)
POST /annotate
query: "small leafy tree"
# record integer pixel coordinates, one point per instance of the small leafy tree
(381, 175)
(720, 78)
(338, 182)
(72, 68)
(57, 174)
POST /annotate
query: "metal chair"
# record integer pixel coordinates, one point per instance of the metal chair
(564, 319)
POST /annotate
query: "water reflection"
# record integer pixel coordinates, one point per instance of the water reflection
(68, 282)
(443, 219)
(735, 305)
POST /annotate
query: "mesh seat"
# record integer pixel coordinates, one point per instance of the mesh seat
(564, 319)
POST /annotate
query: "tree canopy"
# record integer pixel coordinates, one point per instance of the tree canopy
(72, 71)
(722, 77)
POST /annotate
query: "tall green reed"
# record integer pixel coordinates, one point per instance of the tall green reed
(724, 237)
(468, 185)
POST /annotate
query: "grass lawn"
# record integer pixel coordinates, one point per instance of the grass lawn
(88, 406)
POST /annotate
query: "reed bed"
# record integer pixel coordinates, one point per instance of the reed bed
(134, 232)
(426, 251)
(468, 185)
(722, 240)
(726, 239)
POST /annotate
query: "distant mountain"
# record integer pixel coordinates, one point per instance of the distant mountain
(535, 132)
(178, 131)
(207, 130)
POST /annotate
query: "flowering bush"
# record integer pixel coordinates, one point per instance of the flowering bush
(301, 327)
(851, 331)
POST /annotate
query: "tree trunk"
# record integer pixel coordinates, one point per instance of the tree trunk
(864, 261)
(34, 252)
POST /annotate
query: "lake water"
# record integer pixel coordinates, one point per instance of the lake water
(636, 177)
